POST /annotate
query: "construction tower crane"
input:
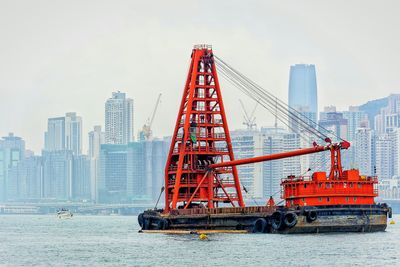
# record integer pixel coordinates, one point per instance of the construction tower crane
(249, 121)
(146, 130)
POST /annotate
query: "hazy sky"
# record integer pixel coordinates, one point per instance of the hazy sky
(62, 56)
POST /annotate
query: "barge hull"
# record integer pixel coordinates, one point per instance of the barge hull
(339, 223)
(360, 218)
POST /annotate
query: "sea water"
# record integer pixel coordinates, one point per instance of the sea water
(44, 240)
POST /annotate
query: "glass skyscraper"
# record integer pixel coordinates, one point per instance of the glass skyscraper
(119, 119)
(12, 150)
(303, 93)
(64, 133)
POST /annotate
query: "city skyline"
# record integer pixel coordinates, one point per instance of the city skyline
(133, 170)
(70, 64)
(84, 139)
(83, 144)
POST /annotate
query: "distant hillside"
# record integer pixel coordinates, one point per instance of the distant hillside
(373, 107)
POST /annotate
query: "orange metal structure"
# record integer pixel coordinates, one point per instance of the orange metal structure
(201, 137)
(340, 187)
(201, 168)
(319, 190)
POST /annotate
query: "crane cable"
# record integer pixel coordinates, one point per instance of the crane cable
(271, 107)
(292, 113)
(280, 113)
(255, 89)
(284, 111)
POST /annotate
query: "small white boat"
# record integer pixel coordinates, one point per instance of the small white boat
(64, 214)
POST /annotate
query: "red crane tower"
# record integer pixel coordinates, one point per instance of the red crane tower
(201, 138)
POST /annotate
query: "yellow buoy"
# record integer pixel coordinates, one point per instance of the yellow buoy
(203, 237)
(392, 222)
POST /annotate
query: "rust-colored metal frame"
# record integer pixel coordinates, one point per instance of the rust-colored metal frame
(201, 138)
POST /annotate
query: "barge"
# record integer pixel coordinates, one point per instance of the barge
(344, 205)
(202, 187)
(322, 219)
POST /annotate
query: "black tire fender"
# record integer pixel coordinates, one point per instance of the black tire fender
(260, 225)
(290, 219)
(311, 215)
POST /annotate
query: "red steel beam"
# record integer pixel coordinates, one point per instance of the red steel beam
(282, 155)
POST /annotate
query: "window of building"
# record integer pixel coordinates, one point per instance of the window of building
(328, 199)
(328, 185)
(320, 199)
(305, 185)
(355, 199)
(347, 199)
(359, 185)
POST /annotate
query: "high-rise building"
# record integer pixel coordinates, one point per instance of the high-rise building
(396, 152)
(81, 183)
(355, 119)
(119, 119)
(73, 133)
(96, 139)
(55, 135)
(388, 118)
(272, 170)
(28, 177)
(363, 150)
(384, 147)
(12, 150)
(303, 94)
(113, 178)
(132, 172)
(138, 185)
(389, 188)
(57, 174)
(159, 153)
(146, 166)
(64, 133)
(247, 144)
(292, 165)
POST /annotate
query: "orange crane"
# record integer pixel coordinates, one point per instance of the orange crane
(201, 174)
(201, 167)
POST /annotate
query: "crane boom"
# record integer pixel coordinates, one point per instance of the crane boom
(154, 111)
(294, 153)
(146, 130)
(282, 155)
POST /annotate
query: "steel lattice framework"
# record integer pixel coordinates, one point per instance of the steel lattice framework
(201, 138)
